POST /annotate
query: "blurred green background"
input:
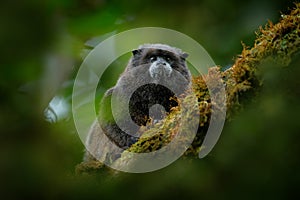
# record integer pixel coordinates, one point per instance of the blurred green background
(42, 44)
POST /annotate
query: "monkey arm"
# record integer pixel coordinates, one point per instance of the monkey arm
(109, 126)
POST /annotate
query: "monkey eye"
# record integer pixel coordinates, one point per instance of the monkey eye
(168, 59)
(153, 58)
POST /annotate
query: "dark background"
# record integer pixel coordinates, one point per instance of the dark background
(257, 155)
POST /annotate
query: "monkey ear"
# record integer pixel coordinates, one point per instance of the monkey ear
(184, 55)
(136, 52)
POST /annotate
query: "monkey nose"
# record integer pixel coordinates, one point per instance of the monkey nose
(162, 63)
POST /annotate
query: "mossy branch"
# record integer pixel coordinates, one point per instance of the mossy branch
(278, 41)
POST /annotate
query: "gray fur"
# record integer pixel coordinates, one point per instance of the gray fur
(160, 73)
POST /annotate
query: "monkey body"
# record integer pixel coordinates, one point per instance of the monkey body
(154, 77)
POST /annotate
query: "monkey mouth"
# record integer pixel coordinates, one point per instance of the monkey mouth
(160, 70)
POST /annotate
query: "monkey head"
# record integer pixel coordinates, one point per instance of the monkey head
(161, 60)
